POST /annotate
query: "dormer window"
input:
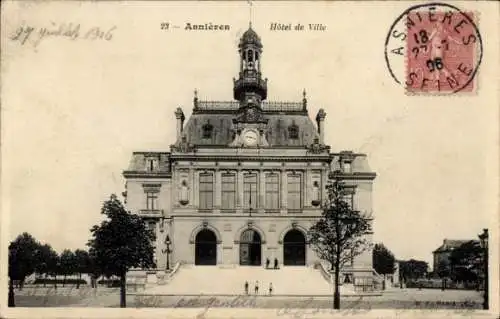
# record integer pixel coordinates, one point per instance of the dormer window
(207, 130)
(346, 167)
(151, 164)
(293, 131)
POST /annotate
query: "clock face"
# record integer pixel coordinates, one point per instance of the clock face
(250, 138)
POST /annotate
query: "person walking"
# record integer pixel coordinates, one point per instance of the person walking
(246, 287)
(267, 262)
(275, 263)
(270, 288)
(257, 287)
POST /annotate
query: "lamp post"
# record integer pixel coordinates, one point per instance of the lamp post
(483, 238)
(167, 251)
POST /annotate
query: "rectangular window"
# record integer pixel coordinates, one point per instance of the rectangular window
(228, 191)
(294, 184)
(206, 190)
(151, 200)
(250, 190)
(272, 191)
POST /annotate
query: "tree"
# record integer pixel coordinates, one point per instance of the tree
(22, 262)
(94, 270)
(466, 262)
(383, 260)
(412, 269)
(82, 260)
(443, 269)
(22, 257)
(338, 235)
(44, 260)
(54, 266)
(121, 242)
(68, 264)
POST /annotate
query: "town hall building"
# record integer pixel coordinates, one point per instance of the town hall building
(244, 180)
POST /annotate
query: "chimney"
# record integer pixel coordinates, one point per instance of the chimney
(179, 115)
(320, 119)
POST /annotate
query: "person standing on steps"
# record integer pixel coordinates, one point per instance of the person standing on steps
(270, 288)
(246, 287)
(257, 287)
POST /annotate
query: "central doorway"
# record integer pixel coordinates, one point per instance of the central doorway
(294, 248)
(250, 248)
(205, 248)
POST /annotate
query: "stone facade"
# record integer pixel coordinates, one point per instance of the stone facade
(244, 180)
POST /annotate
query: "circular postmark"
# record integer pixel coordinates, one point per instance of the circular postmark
(434, 48)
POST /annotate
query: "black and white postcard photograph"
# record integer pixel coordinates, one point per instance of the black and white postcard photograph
(249, 159)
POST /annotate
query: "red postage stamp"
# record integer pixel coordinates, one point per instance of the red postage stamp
(441, 51)
(441, 46)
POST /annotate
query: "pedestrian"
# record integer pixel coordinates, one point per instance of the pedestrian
(275, 263)
(246, 287)
(270, 288)
(257, 287)
(267, 262)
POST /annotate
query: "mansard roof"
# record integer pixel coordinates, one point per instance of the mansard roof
(451, 244)
(283, 119)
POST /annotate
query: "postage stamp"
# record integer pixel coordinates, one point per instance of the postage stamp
(440, 47)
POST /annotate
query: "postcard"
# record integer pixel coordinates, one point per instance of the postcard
(249, 159)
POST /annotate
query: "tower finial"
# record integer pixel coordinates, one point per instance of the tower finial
(304, 100)
(250, 13)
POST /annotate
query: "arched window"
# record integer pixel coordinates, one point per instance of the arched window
(184, 193)
(207, 130)
(293, 131)
(315, 194)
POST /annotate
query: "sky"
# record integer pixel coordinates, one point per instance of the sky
(73, 111)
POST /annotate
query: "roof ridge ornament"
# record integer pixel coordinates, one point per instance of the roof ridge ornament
(304, 100)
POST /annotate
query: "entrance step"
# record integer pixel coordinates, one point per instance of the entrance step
(214, 280)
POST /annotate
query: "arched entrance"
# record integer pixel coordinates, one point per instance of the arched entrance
(205, 248)
(294, 248)
(250, 248)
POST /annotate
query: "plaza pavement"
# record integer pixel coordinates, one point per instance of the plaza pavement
(390, 299)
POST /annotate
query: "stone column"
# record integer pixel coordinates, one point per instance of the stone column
(192, 187)
(179, 115)
(320, 119)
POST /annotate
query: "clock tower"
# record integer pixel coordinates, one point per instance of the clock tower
(250, 90)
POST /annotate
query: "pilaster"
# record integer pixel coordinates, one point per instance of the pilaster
(218, 190)
(284, 191)
(262, 190)
(239, 190)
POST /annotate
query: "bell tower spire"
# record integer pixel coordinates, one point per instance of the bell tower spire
(250, 88)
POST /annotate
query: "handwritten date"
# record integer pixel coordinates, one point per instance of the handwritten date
(27, 34)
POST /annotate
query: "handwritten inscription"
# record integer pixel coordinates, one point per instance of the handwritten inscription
(197, 302)
(28, 34)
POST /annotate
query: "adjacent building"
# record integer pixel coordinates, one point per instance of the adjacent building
(441, 256)
(244, 179)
